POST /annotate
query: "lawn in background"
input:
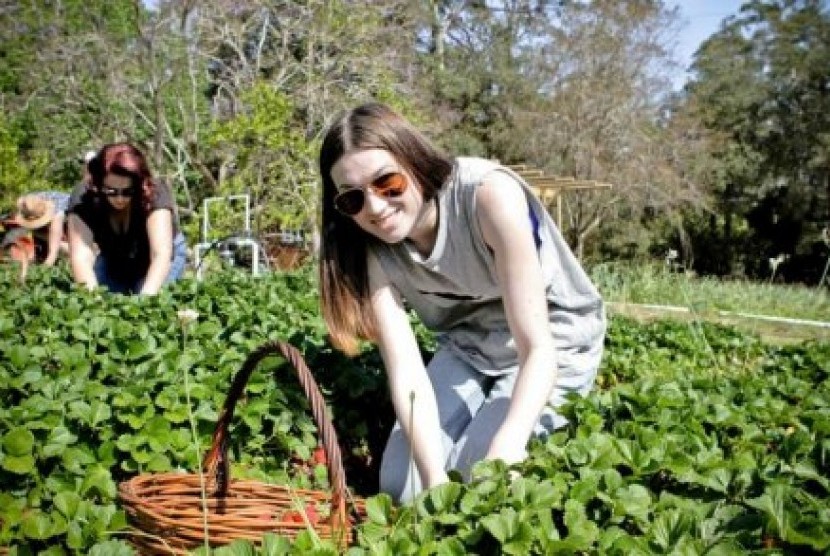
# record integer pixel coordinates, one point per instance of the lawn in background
(628, 287)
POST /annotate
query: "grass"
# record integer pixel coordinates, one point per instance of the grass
(627, 288)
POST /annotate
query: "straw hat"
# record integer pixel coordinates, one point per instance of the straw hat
(34, 211)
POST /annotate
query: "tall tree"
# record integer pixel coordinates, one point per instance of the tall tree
(602, 120)
(761, 83)
(572, 87)
(50, 82)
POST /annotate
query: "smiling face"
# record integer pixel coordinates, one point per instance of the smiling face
(389, 218)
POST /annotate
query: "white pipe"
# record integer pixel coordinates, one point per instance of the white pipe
(203, 247)
(677, 309)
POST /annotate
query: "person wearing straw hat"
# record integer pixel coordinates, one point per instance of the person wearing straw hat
(123, 231)
(44, 214)
(16, 244)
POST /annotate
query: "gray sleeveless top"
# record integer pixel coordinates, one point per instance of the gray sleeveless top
(455, 291)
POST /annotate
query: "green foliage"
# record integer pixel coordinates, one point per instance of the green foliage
(54, 60)
(233, 100)
(687, 445)
(94, 392)
(760, 88)
(271, 159)
(18, 174)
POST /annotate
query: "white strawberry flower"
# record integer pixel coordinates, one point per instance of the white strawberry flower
(187, 315)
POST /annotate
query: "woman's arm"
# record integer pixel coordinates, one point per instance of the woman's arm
(410, 387)
(82, 252)
(503, 215)
(160, 236)
(55, 239)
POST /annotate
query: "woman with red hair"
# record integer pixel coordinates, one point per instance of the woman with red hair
(123, 231)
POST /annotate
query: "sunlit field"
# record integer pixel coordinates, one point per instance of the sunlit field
(773, 310)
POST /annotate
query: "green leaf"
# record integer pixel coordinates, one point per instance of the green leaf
(11, 508)
(81, 411)
(52, 551)
(633, 500)
(157, 426)
(158, 463)
(520, 489)
(18, 355)
(36, 525)
(717, 479)
(67, 503)
(609, 538)
(99, 413)
(75, 537)
(585, 489)
(118, 520)
(582, 532)
(450, 546)
(77, 457)
(112, 548)
(807, 470)
(177, 413)
(373, 533)
(20, 465)
(18, 442)
(58, 440)
(138, 349)
(612, 480)
(272, 545)
(669, 528)
(236, 548)
(99, 481)
(379, 509)
(502, 525)
(772, 503)
(439, 499)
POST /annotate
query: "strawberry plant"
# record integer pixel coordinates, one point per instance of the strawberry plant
(697, 438)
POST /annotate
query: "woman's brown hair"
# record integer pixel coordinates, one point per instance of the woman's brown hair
(344, 282)
(123, 159)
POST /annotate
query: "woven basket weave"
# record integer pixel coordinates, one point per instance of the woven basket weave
(168, 513)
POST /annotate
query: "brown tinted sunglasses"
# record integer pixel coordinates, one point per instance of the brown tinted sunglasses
(351, 201)
(119, 191)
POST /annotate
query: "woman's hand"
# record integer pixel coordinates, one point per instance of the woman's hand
(510, 450)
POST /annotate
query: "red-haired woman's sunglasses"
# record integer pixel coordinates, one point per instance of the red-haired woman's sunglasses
(118, 191)
(351, 201)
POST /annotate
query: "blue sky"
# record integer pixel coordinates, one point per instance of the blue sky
(700, 18)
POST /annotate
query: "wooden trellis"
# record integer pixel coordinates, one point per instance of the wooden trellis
(549, 189)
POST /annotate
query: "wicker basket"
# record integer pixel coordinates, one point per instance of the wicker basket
(168, 513)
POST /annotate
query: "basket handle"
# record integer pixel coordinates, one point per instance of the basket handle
(217, 465)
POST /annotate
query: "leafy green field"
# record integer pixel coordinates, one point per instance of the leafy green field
(698, 439)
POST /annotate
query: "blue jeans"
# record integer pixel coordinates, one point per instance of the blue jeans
(177, 265)
(472, 407)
